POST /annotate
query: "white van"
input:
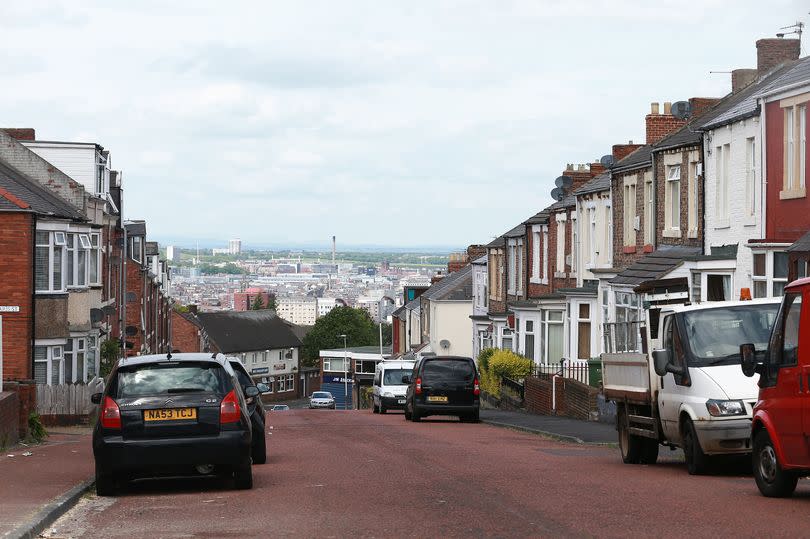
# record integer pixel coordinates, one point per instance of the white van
(388, 390)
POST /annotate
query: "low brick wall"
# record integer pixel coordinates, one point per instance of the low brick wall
(26, 391)
(573, 399)
(9, 419)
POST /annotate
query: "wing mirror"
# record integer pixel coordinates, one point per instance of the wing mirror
(95, 398)
(748, 360)
(251, 392)
(662, 362)
(263, 388)
(406, 379)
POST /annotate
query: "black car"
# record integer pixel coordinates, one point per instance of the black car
(255, 408)
(443, 385)
(170, 415)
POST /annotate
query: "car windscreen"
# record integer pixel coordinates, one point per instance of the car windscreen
(393, 377)
(321, 395)
(447, 370)
(171, 378)
(714, 336)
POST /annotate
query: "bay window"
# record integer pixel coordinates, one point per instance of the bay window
(50, 246)
(770, 274)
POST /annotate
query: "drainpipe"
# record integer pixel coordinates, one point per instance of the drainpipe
(123, 316)
(33, 291)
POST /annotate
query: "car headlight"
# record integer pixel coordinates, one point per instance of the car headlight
(718, 408)
(388, 394)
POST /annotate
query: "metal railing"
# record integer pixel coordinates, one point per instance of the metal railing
(623, 336)
(513, 386)
(573, 369)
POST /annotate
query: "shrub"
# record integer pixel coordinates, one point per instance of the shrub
(496, 364)
(483, 358)
(36, 430)
(366, 397)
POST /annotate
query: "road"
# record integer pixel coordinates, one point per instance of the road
(349, 474)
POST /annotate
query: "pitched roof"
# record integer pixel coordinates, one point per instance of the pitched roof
(798, 71)
(135, 228)
(599, 183)
(640, 158)
(685, 136)
(246, 331)
(537, 218)
(23, 193)
(517, 232)
(457, 286)
(802, 244)
(500, 241)
(654, 265)
(569, 200)
(480, 260)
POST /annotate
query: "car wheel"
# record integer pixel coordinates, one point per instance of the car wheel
(243, 477)
(772, 480)
(383, 409)
(407, 413)
(697, 463)
(374, 408)
(105, 482)
(415, 417)
(649, 451)
(259, 452)
(629, 445)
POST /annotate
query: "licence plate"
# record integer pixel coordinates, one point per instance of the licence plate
(437, 398)
(401, 401)
(170, 414)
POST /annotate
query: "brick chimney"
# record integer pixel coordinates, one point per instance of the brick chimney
(20, 133)
(620, 151)
(660, 125)
(582, 174)
(740, 78)
(774, 51)
(699, 105)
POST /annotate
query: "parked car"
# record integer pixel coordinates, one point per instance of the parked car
(255, 408)
(322, 399)
(279, 408)
(172, 414)
(442, 385)
(388, 390)
(781, 424)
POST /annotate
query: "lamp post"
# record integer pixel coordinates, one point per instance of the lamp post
(345, 375)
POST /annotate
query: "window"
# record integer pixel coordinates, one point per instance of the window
(783, 347)
(692, 199)
(511, 273)
(290, 382)
(593, 247)
(520, 271)
(136, 248)
(553, 336)
(48, 261)
(584, 331)
(630, 212)
(506, 339)
(750, 176)
(528, 346)
(769, 274)
(795, 142)
(722, 158)
(76, 364)
(282, 383)
(544, 262)
(627, 312)
(560, 265)
(673, 194)
(536, 239)
(102, 174)
(718, 287)
(780, 273)
(76, 265)
(609, 234)
(94, 275)
(333, 364)
(649, 227)
(48, 364)
(574, 243)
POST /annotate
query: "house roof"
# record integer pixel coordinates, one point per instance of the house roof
(537, 218)
(655, 265)
(500, 241)
(569, 200)
(597, 184)
(480, 261)
(299, 331)
(517, 232)
(245, 331)
(152, 248)
(455, 287)
(685, 136)
(801, 245)
(640, 158)
(135, 228)
(414, 304)
(18, 192)
(796, 72)
(743, 104)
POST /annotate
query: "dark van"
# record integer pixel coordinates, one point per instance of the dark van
(443, 385)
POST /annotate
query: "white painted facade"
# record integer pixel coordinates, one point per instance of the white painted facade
(481, 337)
(276, 367)
(734, 181)
(450, 321)
(594, 234)
(84, 162)
(302, 312)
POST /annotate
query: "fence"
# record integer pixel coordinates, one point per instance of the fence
(574, 369)
(67, 402)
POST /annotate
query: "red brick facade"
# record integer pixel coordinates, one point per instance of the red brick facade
(185, 334)
(16, 289)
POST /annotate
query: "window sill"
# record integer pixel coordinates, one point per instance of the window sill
(629, 249)
(793, 193)
(722, 223)
(672, 233)
(648, 248)
(559, 274)
(536, 280)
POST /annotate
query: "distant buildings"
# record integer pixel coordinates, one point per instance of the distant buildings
(172, 254)
(300, 311)
(244, 301)
(235, 246)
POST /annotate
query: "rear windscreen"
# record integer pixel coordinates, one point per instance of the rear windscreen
(393, 377)
(244, 379)
(446, 370)
(171, 378)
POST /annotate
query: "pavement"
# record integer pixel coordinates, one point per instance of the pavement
(558, 427)
(42, 482)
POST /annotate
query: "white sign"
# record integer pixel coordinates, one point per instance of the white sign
(9, 308)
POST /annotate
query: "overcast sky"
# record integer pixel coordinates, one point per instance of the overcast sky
(402, 123)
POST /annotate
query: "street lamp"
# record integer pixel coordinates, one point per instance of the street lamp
(345, 375)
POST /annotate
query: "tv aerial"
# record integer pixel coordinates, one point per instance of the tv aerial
(796, 28)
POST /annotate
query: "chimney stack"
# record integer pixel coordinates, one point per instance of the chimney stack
(774, 51)
(620, 151)
(20, 133)
(740, 78)
(658, 125)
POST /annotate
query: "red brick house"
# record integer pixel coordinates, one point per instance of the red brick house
(186, 334)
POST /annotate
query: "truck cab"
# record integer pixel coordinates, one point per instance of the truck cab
(684, 388)
(780, 428)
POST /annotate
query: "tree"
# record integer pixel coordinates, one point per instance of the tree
(386, 334)
(258, 303)
(325, 334)
(271, 302)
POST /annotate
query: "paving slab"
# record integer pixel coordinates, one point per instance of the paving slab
(564, 428)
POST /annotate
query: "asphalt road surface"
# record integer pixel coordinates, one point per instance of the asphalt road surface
(356, 474)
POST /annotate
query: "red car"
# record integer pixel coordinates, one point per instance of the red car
(780, 429)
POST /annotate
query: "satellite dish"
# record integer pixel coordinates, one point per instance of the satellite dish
(96, 315)
(444, 343)
(681, 110)
(557, 193)
(606, 160)
(564, 182)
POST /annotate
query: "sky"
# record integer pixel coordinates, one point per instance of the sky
(389, 123)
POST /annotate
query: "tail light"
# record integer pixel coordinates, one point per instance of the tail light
(110, 414)
(418, 386)
(229, 411)
(476, 389)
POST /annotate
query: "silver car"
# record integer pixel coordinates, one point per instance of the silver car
(322, 399)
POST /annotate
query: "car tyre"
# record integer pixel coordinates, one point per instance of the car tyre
(383, 409)
(697, 462)
(772, 480)
(415, 416)
(649, 451)
(408, 415)
(105, 483)
(629, 445)
(243, 477)
(374, 408)
(259, 452)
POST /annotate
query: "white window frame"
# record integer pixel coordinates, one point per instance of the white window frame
(511, 270)
(545, 323)
(794, 159)
(545, 263)
(520, 267)
(559, 270)
(609, 231)
(537, 238)
(136, 249)
(629, 210)
(593, 244)
(290, 382)
(94, 256)
(750, 178)
(56, 250)
(533, 333)
(692, 198)
(672, 201)
(53, 353)
(769, 279)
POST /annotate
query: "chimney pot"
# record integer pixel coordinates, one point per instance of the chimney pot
(653, 108)
(667, 108)
(630, 142)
